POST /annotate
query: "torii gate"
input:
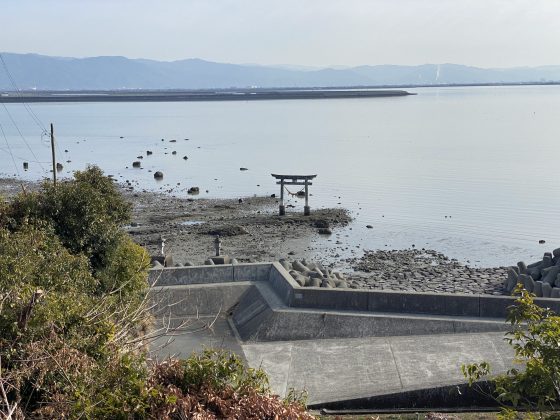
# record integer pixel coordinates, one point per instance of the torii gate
(294, 180)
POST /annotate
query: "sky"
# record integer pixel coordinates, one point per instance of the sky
(483, 33)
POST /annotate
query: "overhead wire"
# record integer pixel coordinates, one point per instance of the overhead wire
(44, 131)
(32, 114)
(10, 150)
(23, 137)
(24, 159)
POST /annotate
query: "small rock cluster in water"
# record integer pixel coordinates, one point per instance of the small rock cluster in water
(415, 270)
(541, 278)
(312, 274)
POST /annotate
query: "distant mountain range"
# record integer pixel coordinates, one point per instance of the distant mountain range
(32, 71)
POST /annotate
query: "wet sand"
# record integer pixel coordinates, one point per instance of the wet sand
(250, 231)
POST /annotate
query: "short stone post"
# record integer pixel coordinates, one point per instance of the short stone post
(217, 245)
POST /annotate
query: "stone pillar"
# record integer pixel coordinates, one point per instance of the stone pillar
(282, 209)
(306, 208)
(217, 245)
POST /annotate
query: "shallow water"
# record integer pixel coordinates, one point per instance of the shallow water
(485, 157)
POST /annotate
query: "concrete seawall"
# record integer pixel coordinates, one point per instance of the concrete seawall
(370, 347)
(294, 296)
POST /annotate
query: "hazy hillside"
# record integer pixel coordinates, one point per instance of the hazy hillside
(33, 71)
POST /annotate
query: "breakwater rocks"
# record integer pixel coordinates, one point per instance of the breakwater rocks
(415, 270)
(312, 274)
(541, 278)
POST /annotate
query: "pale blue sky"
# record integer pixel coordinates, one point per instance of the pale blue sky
(486, 33)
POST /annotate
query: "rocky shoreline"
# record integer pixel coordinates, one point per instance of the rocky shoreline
(422, 270)
(252, 231)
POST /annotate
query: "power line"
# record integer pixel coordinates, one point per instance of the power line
(22, 136)
(24, 159)
(10, 150)
(18, 91)
(34, 117)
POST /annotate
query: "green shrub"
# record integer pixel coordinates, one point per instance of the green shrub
(219, 369)
(125, 272)
(72, 285)
(535, 339)
(86, 213)
(34, 261)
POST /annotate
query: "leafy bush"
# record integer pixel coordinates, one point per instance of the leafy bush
(52, 336)
(65, 328)
(215, 384)
(86, 213)
(535, 338)
(34, 261)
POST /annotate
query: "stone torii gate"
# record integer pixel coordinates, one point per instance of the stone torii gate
(294, 180)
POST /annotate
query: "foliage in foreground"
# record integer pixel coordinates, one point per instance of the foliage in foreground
(71, 300)
(216, 385)
(74, 315)
(535, 338)
(86, 213)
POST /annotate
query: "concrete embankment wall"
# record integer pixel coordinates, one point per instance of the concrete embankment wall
(484, 306)
(294, 296)
(197, 299)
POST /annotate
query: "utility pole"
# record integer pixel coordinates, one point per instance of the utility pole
(53, 156)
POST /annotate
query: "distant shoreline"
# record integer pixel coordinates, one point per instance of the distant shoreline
(232, 94)
(194, 95)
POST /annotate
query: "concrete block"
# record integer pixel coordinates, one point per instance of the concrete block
(474, 326)
(424, 303)
(191, 275)
(251, 272)
(263, 271)
(251, 314)
(282, 283)
(494, 306)
(546, 290)
(285, 324)
(334, 299)
(461, 305)
(538, 289)
(202, 299)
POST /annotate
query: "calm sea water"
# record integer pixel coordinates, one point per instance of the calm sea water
(488, 158)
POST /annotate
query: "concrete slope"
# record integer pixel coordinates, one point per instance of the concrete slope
(350, 369)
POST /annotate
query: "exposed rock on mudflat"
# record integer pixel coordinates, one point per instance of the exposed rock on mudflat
(231, 230)
(415, 270)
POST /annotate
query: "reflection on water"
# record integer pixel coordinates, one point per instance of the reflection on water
(472, 172)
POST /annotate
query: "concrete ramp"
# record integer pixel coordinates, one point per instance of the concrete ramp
(348, 373)
(348, 349)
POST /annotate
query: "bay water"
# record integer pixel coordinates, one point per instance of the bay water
(473, 172)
